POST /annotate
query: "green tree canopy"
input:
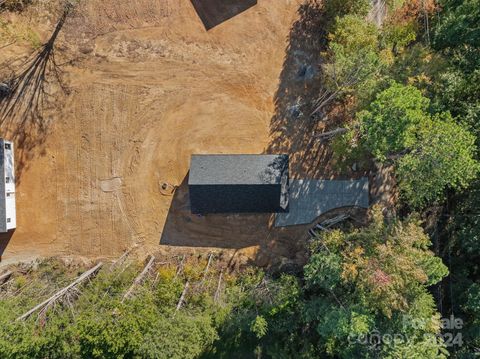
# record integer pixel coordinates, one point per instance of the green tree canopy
(392, 122)
(442, 158)
(459, 24)
(353, 54)
(433, 153)
(357, 283)
(335, 8)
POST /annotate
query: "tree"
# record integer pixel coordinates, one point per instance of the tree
(457, 37)
(461, 238)
(442, 158)
(432, 153)
(458, 24)
(392, 122)
(340, 8)
(374, 279)
(353, 59)
(357, 285)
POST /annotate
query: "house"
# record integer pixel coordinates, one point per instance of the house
(7, 187)
(238, 183)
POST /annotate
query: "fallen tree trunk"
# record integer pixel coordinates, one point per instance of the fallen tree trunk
(206, 268)
(180, 267)
(323, 100)
(5, 276)
(139, 278)
(217, 292)
(330, 134)
(325, 225)
(58, 295)
(122, 258)
(182, 297)
(332, 221)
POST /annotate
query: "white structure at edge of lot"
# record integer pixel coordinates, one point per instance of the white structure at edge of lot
(8, 218)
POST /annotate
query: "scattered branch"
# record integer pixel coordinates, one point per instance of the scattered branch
(139, 278)
(325, 225)
(62, 293)
(182, 297)
(5, 276)
(122, 258)
(330, 134)
(180, 267)
(216, 297)
(206, 268)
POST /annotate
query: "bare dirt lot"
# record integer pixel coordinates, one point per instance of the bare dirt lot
(148, 87)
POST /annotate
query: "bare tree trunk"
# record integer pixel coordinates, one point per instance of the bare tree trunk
(330, 134)
(58, 295)
(180, 267)
(206, 268)
(216, 297)
(182, 297)
(122, 258)
(139, 279)
(5, 276)
(324, 100)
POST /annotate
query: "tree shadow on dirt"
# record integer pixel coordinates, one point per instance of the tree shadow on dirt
(293, 129)
(25, 98)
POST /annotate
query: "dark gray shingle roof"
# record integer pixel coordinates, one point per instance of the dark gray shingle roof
(237, 169)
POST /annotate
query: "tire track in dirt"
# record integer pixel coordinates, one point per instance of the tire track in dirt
(154, 89)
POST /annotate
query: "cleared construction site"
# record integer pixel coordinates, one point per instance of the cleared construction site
(107, 167)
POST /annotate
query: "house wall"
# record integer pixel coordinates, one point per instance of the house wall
(235, 198)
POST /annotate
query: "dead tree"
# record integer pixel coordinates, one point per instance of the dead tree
(341, 84)
(182, 297)
(122, 258)
(328, 135)
(180, 267)
(140, 278)
(5, 276)
(332, 221)
(216, 297)
(210, 256)
(58, 296)
(325, 225)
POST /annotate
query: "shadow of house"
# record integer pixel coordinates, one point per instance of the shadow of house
(273, 245)
(4, 240)
(182, 228)
(293, 129)
(214, 12)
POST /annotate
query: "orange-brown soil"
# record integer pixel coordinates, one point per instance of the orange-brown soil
(149, 86)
